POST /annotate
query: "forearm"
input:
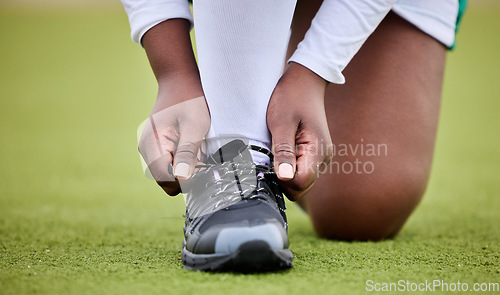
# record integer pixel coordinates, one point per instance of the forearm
(169, 50)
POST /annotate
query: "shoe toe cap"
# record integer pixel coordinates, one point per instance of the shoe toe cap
(230, 239)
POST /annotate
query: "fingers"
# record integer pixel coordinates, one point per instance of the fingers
(149, 144)
(156, 152)
(176, 129)
(308, 164)
(284, 151)
(173, 136)
(312, 159)
(163, 178)
(185, 158)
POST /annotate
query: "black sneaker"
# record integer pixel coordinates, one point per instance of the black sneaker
(235, 215)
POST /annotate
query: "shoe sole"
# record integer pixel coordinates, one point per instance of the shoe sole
(251, 256)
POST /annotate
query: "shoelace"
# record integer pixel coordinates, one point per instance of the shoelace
(244, 175)
(253, 181)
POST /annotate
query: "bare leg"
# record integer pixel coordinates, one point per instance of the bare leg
(391, 97)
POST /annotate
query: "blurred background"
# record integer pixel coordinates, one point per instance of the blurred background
(73, 90)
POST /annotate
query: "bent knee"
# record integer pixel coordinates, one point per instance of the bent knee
(373, 210)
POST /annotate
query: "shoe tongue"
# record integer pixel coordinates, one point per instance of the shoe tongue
(227, 183)
(234, 151)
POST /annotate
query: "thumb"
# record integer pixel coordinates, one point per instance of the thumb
(185, 157)
(284, 152)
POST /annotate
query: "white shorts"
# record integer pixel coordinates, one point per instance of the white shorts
(436, 18)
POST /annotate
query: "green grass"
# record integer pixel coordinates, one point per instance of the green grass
(78, 217)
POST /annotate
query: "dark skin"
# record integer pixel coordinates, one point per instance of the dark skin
(391, 97)
(170, 54)
(297, 121)
(169, 50)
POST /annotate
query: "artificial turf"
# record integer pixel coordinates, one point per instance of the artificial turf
(78, 217)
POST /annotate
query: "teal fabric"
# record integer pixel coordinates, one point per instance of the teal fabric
(462, 6)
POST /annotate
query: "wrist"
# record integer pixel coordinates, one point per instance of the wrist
(184, 71)
(301, 84)
(180, 79)
(300, 73)
(177, 89)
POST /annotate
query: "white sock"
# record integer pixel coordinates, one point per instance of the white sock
(241, 49)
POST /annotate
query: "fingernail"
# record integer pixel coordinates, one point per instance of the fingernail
(181, 170)
(285, 171)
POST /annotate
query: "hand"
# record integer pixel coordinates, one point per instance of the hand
(301, 140)
(180, 118)
(172, 135)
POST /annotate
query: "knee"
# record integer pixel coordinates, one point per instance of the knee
(373, 209)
